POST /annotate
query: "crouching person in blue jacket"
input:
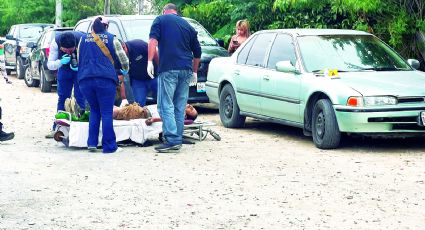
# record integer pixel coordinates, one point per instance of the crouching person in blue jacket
(62, 57)
(98, 80)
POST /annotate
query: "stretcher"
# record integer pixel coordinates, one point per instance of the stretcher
(199, 130)
(75, 134)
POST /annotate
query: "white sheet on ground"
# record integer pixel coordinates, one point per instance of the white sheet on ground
(135, 130)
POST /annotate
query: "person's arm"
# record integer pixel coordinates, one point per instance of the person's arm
(232, 45)
(122, 57)
(197, 52)
(53, 63)
(153, 43)
(156, 57)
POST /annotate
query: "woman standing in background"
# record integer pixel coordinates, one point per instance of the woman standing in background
(242, 33)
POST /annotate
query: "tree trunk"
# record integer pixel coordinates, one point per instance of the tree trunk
(107, 9)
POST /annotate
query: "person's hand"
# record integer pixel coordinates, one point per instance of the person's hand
(73, 68)
(193, 80)
(150, 69)
(124, 72)
(65, 59)
(149, 121)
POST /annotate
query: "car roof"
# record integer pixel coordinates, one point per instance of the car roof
(35, 24)
(309, 32)
(125, 17)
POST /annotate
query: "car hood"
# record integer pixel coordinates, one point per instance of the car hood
(396, 83)
(210, 52)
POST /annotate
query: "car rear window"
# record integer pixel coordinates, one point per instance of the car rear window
(137, 29)
(31, 32)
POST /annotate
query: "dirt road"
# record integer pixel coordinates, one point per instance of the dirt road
(264, 176)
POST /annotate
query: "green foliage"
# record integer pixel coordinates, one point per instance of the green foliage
(212, 15)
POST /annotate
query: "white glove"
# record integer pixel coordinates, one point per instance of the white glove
(194, 80)
(124, 102)
(150, 69)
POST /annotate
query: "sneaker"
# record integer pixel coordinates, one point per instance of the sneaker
(6, 136)
(92, 149)
(51, 134)
(168, 148)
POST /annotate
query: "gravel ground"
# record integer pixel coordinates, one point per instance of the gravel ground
(264, 176)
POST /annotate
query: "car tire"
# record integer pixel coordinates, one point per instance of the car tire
(29, 80)
(326, 134)
(45, 86)
(229, 109)
(8, 72)
(20, 69)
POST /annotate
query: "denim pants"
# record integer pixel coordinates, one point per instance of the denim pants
(128, 91)
(141, 89)
(173, 91)
(66, 80)
(100, 94)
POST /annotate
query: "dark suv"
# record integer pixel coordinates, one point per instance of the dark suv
(129, 27)
(15, 49)
(36, 72)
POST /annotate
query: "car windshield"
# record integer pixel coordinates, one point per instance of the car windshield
(204, 37)
(349, 53)
(31, 32)
(139, 29)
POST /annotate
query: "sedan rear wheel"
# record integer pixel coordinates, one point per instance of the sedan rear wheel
(229, 109)
(326, 134)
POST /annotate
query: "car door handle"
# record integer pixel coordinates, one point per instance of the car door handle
(237, 72)
(266, 78)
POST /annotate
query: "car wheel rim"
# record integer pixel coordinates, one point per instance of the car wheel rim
(28, 77)
(320, 124)
(228, 106)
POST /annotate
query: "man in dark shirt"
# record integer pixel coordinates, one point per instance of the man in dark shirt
(140, 81)
(179, 57)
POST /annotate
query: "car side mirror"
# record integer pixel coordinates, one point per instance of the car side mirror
(31, 45)
(286, 67)
(414, 63)
(10, 37)
(220, 42)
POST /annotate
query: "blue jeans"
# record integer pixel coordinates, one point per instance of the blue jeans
(173, 91)
(66, 80)
(128, 91)
(141, 89)
(100, 94)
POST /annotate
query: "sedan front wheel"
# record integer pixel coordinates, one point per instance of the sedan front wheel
(326, 134)
(229, 110)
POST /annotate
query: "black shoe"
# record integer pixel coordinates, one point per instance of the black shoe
(6, 136)
(167, 148)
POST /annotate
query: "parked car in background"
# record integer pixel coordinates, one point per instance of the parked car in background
(327, 82)
(36, 72)
(129, 27)
(2, 39)
(15, 46)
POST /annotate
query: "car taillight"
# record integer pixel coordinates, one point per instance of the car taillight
(47, 52)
